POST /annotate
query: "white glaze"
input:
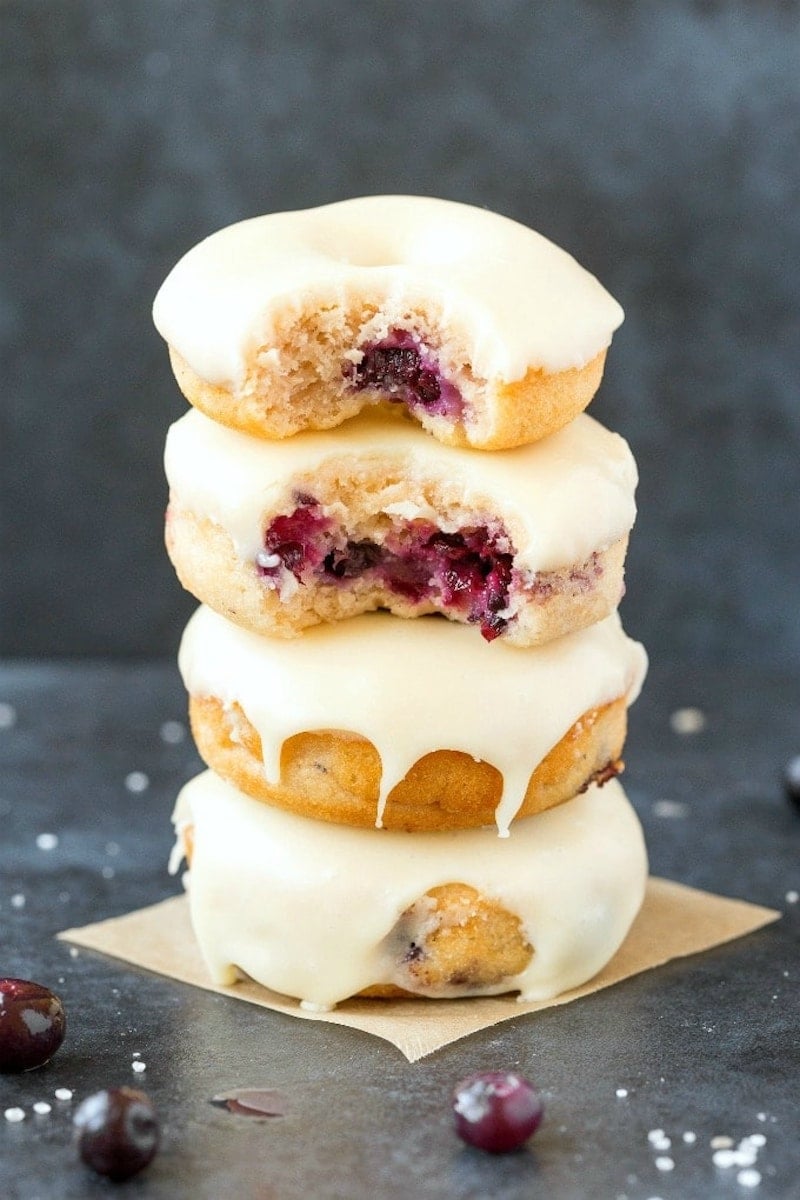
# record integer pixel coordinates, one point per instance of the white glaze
(307, 908)
(561, 499)
(510, 295)
(413, 687)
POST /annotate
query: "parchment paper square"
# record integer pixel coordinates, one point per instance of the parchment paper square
(674, 921)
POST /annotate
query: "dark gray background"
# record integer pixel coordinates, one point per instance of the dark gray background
(659, 143)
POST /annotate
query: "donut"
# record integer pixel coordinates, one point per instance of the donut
(482, 329)
(408, 725)
(526, 544)
(322, 913)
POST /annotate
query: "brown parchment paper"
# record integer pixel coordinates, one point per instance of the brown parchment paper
(674, 921)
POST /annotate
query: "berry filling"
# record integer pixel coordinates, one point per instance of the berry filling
(467, 574)
(400, 367)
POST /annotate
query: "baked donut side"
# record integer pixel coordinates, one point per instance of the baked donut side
(291, 392)
(323, 913)
(334, 775)
(451, 937)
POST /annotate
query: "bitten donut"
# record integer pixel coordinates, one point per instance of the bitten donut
(322, 912)
(485, 331)
(408, 725)
(527, 544)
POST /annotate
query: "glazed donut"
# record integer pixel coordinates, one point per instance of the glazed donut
(490, 335)
(408, 725)
(323, 912)
(278, 536)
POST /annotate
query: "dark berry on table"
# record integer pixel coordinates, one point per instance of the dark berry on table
(496, 1110)
(32, 1024)
(791, 781)
(116, 1132)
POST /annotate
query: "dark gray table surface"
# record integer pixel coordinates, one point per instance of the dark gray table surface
(708, 1044)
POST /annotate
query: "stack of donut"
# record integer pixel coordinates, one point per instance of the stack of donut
(407, 675)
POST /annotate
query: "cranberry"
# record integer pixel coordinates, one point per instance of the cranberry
(295, 539)
(399, 367)
(473, 575)
(356, 559)
(468, 572)
(117, 1132)
(32, 1024)
(496, 1110)
(791, 781)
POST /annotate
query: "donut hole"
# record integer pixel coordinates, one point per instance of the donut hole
(359, 247)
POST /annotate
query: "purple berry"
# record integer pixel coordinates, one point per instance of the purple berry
(117, 1132)
(295, 541)
(791, 781)
(468, 573)
(496, 1110)
(400, 367)
(32, 1024)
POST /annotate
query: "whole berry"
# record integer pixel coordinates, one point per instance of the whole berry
(496, 1110)
(32, 1024)
(117, 1132)
(791, 781)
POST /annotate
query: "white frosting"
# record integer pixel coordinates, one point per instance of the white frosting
(307, 908)
(509, 294)
(413, 687)
(561, 499)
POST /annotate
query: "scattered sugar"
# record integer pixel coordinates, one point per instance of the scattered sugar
(663, 1163)
(63, 1093)
(63, 897)
(18, 900)
(687, 720)
(662, 1143)
(761, 1116)
(690, 1137)
(73, 951)
(172, 733)
(757, 1139)
(792, 897)
(112, 849)
(139, 1066)
(725, 1158)
(621, 1093)
(107, 872)
(137, 781)
(47, 841)
(8, 719)
(721, 1143)
(749, 1178)
(673, 809)
(136, 1053)
(655, 1135)
(42, 1108)
(14, 1114)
